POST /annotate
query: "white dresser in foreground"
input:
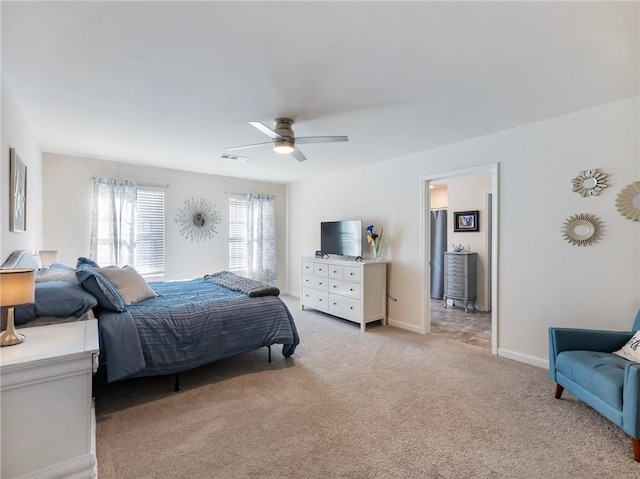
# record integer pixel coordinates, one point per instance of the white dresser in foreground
(46, 402)
(356, 291)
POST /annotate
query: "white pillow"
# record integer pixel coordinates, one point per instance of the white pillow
(631, 350)
(131, 286)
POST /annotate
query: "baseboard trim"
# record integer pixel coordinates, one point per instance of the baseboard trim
(523, 358)
(409, 327)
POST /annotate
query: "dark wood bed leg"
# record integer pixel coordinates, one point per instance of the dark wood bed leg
(636, 449)
(559, 390)
(176, 384)
(269, 348)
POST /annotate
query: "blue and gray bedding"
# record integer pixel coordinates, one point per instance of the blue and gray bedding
(191, 323)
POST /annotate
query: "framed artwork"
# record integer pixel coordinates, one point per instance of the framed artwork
(465, 221)
(17, 193)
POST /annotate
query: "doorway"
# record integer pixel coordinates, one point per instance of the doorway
(484, 242)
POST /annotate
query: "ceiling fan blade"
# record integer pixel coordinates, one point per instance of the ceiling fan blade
(320, 139)
(248, 146)
(297, 154)
(265, 129)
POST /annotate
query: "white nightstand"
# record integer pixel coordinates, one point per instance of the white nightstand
(46, 402)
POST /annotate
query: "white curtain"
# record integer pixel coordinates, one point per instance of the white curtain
(113, 222)
(261, 239)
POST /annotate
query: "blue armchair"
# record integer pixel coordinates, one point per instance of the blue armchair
(581, 361)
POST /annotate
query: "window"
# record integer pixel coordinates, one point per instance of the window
(237, 234)
(252, 247)
(149, 249)
(128, 225)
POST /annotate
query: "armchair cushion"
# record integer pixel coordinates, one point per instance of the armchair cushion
(600, 373)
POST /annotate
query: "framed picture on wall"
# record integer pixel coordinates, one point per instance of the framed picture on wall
(465, 221)
(17, 193)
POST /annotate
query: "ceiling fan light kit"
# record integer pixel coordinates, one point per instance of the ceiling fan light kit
(284, 140)
(283, 146)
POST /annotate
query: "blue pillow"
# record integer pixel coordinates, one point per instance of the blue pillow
(61, 266)
(99, 286)
(60, 299)
(86, 261)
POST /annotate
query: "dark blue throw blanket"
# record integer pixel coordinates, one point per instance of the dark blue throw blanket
(190, 324)
(250, 287)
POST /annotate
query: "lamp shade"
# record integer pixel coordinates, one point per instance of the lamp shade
(48, 257)
(16, 287)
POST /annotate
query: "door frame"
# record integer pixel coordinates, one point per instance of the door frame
(425, 232)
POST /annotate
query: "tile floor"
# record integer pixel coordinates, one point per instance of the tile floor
(471, 327)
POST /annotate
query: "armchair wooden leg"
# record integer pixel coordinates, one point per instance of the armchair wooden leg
(636, 449)
(559, 390)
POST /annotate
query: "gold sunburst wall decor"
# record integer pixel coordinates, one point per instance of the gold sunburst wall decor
(198, 219)
(628, 201)
(582, 229)
(589, 182)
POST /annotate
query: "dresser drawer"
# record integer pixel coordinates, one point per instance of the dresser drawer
(307, 267)
(345, 288)
(336, 271)
(353, 273)
(316, 282)
(315, 299)
(321, 269)
(344, 307)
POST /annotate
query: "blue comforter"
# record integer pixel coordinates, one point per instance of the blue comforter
(190, 324)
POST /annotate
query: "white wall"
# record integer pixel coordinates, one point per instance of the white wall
(67, 211)
(543, 281)
(17, 134)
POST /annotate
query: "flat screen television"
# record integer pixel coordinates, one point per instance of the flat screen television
(341, 237)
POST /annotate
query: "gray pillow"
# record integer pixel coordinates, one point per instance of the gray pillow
(129, 283)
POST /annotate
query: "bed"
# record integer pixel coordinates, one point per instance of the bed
(187, 324)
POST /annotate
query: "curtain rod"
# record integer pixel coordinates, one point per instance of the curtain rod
(235, 193)
(142, 183)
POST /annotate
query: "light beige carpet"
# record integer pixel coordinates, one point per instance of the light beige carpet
(382, 404)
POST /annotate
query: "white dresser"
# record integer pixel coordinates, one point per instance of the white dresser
(356, 291)
(46, 402)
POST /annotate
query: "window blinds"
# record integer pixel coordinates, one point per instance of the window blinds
(149, 250)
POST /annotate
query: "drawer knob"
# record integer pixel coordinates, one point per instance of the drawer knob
(335, 304)
(350, 307)
(350, 289)
(334, 286)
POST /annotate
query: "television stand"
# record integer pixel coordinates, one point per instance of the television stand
(352, 290)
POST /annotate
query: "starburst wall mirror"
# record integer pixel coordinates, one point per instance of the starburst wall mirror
(628, 201)
(589, 182)
(198, 220)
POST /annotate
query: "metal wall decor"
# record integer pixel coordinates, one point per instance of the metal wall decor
(589, 182)
(628, 201)
(582, 229)
(198, 220)
(18, 193)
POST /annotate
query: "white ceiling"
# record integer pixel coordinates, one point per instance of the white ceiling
(173, 83)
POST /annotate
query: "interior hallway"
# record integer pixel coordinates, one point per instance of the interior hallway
(471, 327)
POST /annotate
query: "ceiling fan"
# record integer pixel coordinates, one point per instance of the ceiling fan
(284, 141)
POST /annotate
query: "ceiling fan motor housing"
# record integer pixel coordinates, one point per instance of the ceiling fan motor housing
(283, 128)
(284, 144)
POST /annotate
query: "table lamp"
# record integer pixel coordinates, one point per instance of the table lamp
(17, 287)
(48, 257)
